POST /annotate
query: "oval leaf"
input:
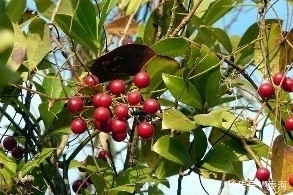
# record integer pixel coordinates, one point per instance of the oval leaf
(171, 149)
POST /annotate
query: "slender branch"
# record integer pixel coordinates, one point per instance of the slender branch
(172, 18)
(251, 153)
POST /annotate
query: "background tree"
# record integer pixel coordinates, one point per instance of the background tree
(161, 77)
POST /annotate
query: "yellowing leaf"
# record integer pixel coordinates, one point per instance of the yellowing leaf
(117, 26)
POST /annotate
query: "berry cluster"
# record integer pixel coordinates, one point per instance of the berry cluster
(113, 107)
(10, 144)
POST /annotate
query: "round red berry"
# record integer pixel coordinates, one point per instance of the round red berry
(78, 125)
(266, 90)
(104, 154)
(262, 174)
(145, 130)
(102, 114)
(287, 85)
(75, 104)
(17, 152)
(78, 184)
(278, 78)
(91, 80)
(119, 137)
(291, 180)
(121, 111)
(102, 100)
(289, 123)
(9, 143)
(117, 87)
(141, 79)
(134, 98)
(119, 125)
(151, 106)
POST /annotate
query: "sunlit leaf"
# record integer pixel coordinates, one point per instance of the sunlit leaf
(15, 8)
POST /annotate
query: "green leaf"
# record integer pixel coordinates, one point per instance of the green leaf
(48, 111)
(259, 148)
(39, 43)
(133, 175)
(174, 119)
(76, 31)
(172, 149)
(219, 159)
(15, 9)
(32, 164)
(155, 67)
(172, 47)
(154, 190)
(5, 24)
(105, 7)
(200, 143)
(183, 91)
(212, 119)
(132, 6)
(52, 86)
(86, 15)
(45, 7)
(8, 170)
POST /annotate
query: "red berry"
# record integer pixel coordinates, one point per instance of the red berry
(291, 180)
(104, 154)
(104, 126)
(142, 79)
(78, 125)
(117, 87)
(9, 143)
(266, 90)
(287, 85)
(102, 100)
(91, 80)
(278, 78)
(17, 152)
(145, 130)
(78, 184)
(121, 111)
(151, 106)
(119, 125)
(75, 104)
(134, 98)
(119, 137)
(262, 174)
(289, 123)
(102, 114)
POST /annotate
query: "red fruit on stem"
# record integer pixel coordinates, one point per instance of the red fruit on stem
(119, 137)
(75, 104)
(119, 125)
(278, 78)
(145, 130)
(78, 125)
(104, 154)
(291, 180)
(117, 87)
(121, 111)
(289, 123)
(91, 80)
(262, 174)
(78, 184)
(151, 106)
(266, 90)
(141, 79)
(102, 114)
(102, 100)
(134, 98)
(17, 152)
(9, 143)
(287, 85)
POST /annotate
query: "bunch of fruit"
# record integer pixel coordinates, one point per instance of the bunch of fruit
(113, 107)
(10, 144)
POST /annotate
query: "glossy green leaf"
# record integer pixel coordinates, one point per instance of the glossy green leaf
(45, 7)
(172, 47)
(105, 7)
(238, 149)
(32, 164)
(75, 30)
(15, 8)
(48, 111)
(183, 91)
(174, 119)
(200, 143)
(260, 148)
(132, 175)
(39, 43)
(220, 159)
(155, 67)
(52, 86)
(86, 15)
(171, 149)
(212, 119)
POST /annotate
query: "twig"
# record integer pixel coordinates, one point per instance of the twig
(172, 18)
(252, 154)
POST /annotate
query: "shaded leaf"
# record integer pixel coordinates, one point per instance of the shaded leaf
(172, 150)
(15, 9)
(200, 143)
(46, 8)
(174, 119)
